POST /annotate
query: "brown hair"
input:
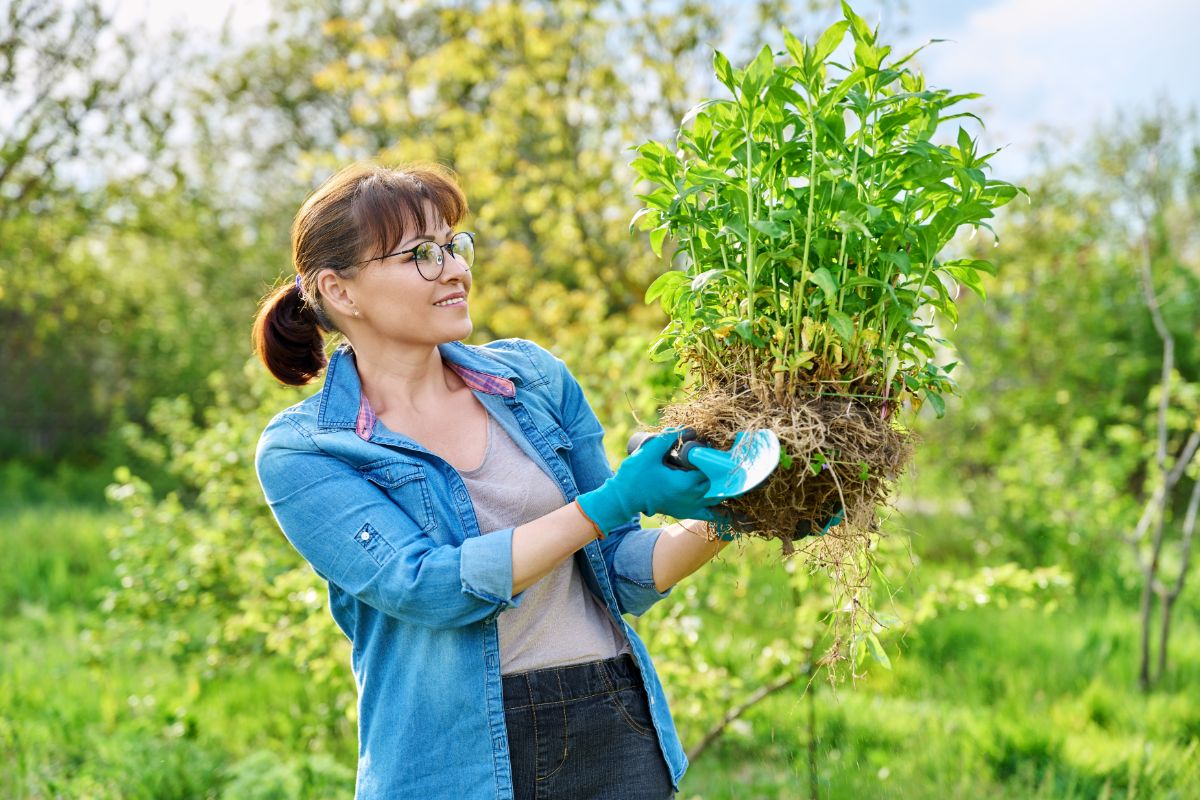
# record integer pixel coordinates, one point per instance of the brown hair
(362, 211)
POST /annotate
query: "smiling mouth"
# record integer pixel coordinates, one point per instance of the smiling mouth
(454, 301)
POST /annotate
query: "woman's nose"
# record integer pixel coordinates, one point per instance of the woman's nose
(454, 267)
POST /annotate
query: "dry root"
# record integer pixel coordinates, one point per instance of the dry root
(845, 449)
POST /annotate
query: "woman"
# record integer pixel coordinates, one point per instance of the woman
(478, 549)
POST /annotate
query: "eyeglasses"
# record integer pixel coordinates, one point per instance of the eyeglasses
(428, 257)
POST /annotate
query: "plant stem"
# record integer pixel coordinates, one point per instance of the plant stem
(749, 214)
(798, 307)
(862, 124)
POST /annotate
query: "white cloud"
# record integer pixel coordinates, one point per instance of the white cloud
(161, 16)
(1065, 64)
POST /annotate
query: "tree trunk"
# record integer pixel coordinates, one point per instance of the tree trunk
(1167, 602)
(1147, 609)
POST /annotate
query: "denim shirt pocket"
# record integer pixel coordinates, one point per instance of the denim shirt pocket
(557, 438)
(562, 445)
(405, 483)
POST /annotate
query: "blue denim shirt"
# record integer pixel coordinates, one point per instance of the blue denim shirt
(413, 582)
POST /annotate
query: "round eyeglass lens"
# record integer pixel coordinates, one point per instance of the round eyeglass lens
(463, 246)
(428, 258)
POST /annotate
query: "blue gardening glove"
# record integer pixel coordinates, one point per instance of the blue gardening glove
(645, 485)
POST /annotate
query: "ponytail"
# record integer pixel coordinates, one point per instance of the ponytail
(287, 336)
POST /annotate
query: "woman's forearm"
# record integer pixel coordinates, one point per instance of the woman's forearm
(681, 550)
(541, 545)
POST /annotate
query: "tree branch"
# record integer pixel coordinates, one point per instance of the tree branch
(1189, 530)
(759, 694)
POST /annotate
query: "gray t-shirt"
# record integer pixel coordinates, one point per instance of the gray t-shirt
(559, 620)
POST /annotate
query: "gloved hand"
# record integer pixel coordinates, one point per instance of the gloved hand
(645, 485)
(728, 525)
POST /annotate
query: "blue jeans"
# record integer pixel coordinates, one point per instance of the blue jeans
(583, 732)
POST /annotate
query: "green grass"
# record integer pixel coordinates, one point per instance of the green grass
(84, 716)
(54, 557)
(983, 703)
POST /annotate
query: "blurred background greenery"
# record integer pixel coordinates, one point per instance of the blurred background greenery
(158, 637)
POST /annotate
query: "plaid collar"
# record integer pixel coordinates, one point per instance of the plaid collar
(343, 404)
(479, 381)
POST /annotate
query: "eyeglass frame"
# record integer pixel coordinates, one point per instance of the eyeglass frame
(440, 259)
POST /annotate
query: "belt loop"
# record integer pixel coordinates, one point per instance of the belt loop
(562, 698)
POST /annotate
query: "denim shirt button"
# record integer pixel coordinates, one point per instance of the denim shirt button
(365, 536)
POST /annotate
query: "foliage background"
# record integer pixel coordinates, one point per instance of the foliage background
(160, 639)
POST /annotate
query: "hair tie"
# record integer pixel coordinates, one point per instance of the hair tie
(299, 288)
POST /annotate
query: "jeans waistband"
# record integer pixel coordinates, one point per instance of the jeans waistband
(570, 682)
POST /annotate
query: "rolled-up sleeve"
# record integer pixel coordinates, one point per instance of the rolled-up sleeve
(629, 549)
(356, 536)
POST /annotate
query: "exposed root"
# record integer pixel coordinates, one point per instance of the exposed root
(846, 452)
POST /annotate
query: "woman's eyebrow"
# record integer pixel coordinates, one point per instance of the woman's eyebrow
(425, 237)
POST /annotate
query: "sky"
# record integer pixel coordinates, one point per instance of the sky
(1065, 66)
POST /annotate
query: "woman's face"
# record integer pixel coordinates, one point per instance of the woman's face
(394, 302)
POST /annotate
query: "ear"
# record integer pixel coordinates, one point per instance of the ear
(336, 292)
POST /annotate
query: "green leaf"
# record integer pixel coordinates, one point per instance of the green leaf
(862, 280)
(758, 72)
(653, 218)
(969, 278)
(706, 174)
(900, 259)
(823, 278)
(724, 71)
(965, 146)
(662, 349)
(842, 324)
(649, 169)
(772, 229)
(830, 40)
(935, 400)
(950, 310)
(696, 109)
(663, 284)
(877, 651)
(703, 278)
(655, 150)
(795, 47)
(737, 229)
(977, 264)
(858, 25)
(661, 198)
(656, 240)
(866, 54)
(785, 460)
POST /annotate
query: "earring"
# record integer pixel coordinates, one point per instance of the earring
(356, 313)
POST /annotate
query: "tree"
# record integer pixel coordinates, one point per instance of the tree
(62, 91)
(1157, 173)
(1050, 450)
